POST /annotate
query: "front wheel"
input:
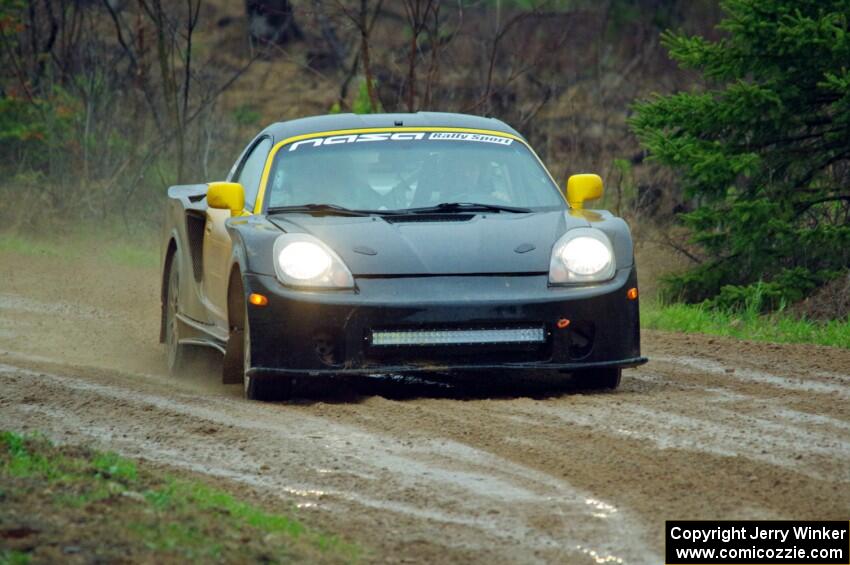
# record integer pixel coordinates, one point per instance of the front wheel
(261, 388)
(598, 379)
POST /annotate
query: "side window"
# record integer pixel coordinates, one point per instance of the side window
(251, 171)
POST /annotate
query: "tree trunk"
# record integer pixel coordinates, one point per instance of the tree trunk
(364, 54)
(164, 47)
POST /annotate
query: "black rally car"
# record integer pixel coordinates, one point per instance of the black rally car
(396, 243)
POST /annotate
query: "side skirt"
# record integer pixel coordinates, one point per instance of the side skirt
(201, 334)
(202, 343)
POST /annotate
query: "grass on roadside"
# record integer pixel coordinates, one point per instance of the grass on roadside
(69, 501)
(778, 327)
(113, 245)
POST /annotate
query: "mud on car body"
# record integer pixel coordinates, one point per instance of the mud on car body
(396, 243)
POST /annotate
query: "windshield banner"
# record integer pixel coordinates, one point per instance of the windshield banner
(400, 136)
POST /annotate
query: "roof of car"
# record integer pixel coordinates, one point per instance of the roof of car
(333, 122)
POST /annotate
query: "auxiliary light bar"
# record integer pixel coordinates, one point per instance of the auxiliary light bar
(458, 337)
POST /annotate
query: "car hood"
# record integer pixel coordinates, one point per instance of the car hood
(436, 245)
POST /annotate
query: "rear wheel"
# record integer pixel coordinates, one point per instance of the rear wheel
(178, 355)
(598, 379)
(278, 387)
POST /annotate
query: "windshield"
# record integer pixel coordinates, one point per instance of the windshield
(405, 170)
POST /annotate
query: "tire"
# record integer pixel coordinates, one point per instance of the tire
(598, 379)
(178, 356)
(268, 388)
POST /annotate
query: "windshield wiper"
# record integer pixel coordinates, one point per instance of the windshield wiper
(467, 207)
(445, 207)
(327, 209)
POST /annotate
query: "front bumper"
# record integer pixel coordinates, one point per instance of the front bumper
(321, 332)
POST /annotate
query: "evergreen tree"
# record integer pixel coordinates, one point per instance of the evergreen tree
(763, 148)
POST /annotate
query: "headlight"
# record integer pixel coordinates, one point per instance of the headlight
(582, 255)
(304, 261)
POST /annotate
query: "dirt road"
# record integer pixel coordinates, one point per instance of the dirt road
(710, 428)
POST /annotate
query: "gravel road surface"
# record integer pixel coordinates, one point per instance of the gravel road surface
(422, 471)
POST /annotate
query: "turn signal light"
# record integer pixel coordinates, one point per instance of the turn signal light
(563, 323)
(632, 293)
(258, 299)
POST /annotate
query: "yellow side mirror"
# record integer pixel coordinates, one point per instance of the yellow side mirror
(226, 196)
(583, 187)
